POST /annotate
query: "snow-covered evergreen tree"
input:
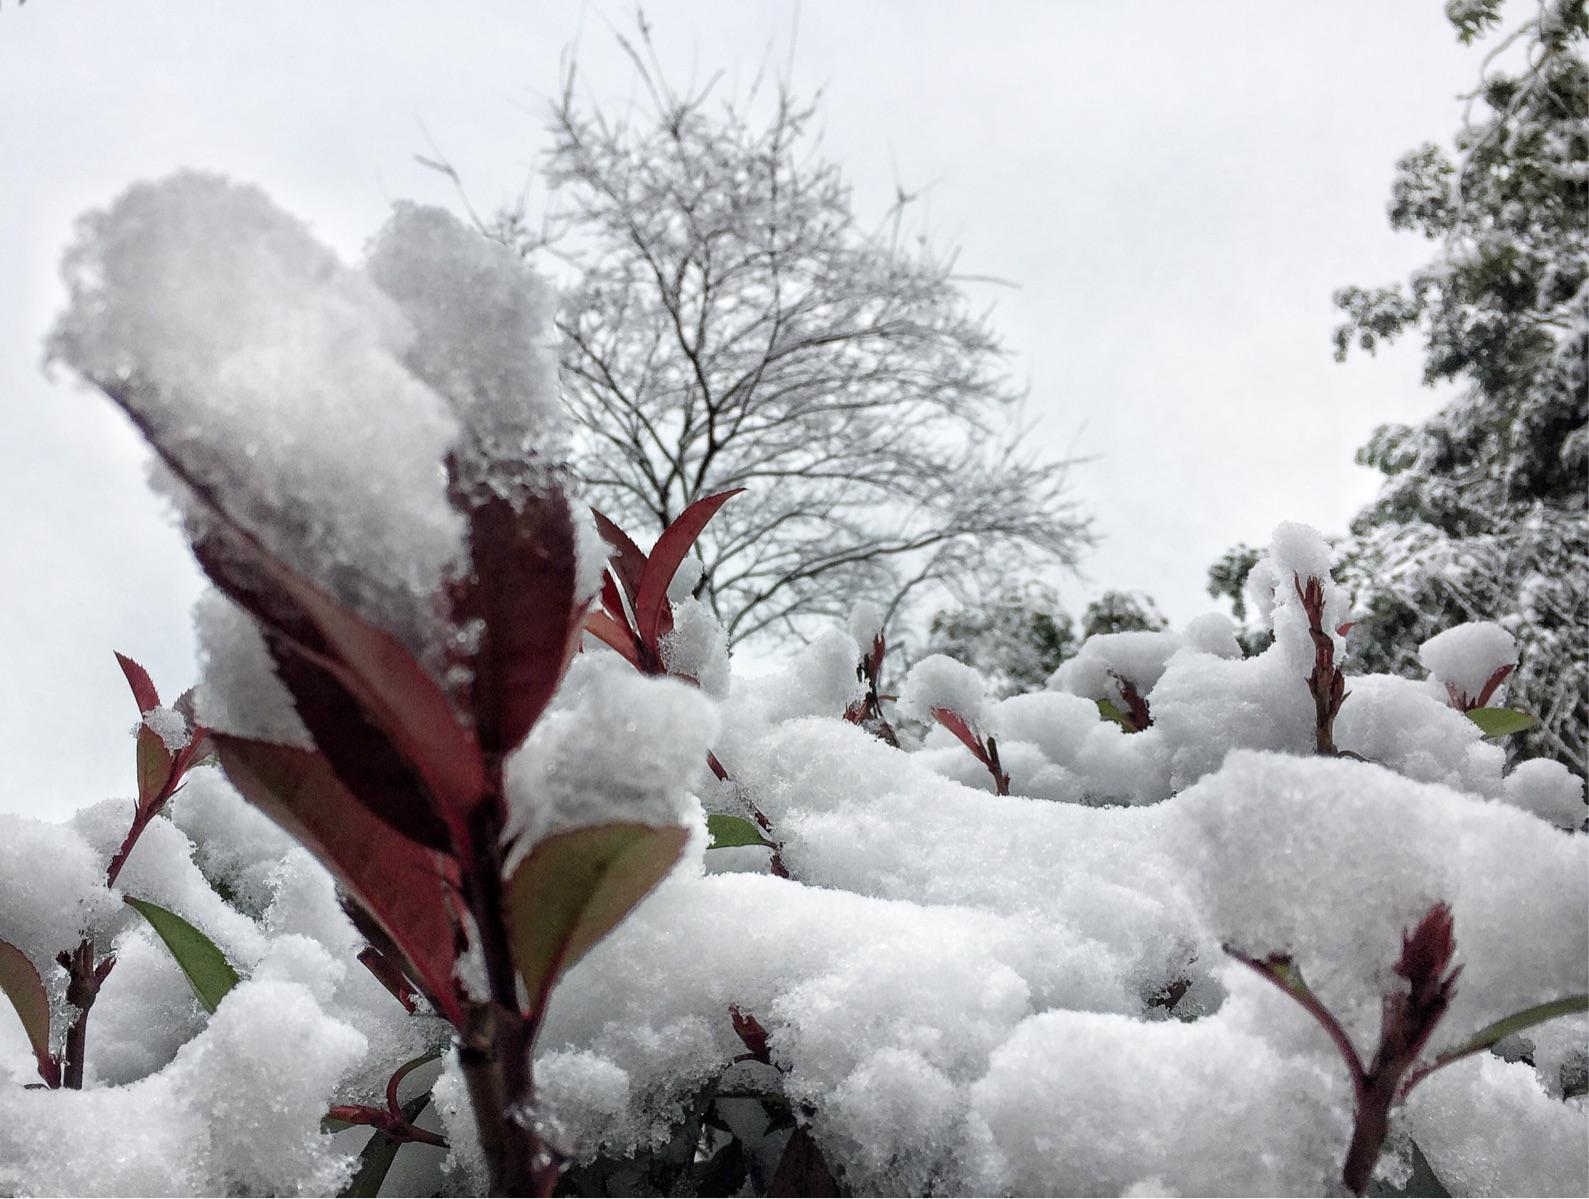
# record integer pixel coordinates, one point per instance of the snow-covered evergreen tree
(1020, 639)
(1482, 516)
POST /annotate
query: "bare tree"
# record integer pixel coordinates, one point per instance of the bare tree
(733, 325)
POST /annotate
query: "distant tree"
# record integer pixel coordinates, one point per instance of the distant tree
(1227, 579)
(1017, 640)
(732, 324)
(1482, 515)
(1121, 612)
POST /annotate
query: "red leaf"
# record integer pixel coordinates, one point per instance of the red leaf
(956, 724)
(366, 761)
(143, 689)
(607, 630)
(380, 676)
(1493, 683)
(405, 890)
(389, 975)
(749, 1030)
(20, 981)
(629, 560)
(611, 600)
(523, 590)
(676, 541)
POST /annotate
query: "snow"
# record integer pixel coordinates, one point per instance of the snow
(685, 577)
(866, 623)
(239, 692)
(169, 725)
(267, 366)
(938, 681)
(1390, 720)
(43, 911)
(1084, 1103)
(617, 747)
(1212, 633)
(1021, 994)
(1454, 1116)
(1106, 661)
(238, 1109)
(482, 337)
(1462, 659)
(1332, 860)
(235, 846)
(697, 647)
(1547, 789)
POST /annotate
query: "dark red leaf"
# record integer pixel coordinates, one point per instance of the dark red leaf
(749, 1030)
(956, 724)
(607, 630)
(21, 984)
(628, 560)
(1492, 684)
(382, 678)
(522, 588)
(185, 704)
(143, 689)
(1426, 952)
(376, 774)
(676, 541)
(611, 600)
(389, 975)
(405, 890)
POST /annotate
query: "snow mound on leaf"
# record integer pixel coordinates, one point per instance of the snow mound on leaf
(1331, 861)
(1463, 659)
(618, 747)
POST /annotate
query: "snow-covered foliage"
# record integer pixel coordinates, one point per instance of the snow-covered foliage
(1482, 516)
(1133, 968)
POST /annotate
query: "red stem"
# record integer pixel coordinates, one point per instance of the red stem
(84, 977)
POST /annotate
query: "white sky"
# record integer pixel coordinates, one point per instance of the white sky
(1177, 187)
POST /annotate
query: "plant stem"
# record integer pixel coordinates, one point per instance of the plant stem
(140, 820)
(495, 1053)
(84, 977)
(1369, 1129)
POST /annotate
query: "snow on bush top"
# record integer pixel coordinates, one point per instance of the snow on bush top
(1107, 662)
(1464, 659)
(1332, 860)
(938, 681)
(482, 336)
(617, 747)
(1213, 633)
(276, 375)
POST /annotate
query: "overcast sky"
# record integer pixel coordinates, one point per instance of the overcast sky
(1176, 187)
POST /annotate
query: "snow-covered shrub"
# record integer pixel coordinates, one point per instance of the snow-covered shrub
(1182, 922)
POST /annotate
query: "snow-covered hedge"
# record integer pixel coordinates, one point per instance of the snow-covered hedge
(1185, 922)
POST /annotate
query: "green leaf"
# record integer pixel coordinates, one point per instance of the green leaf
(380, 1151)
(208, 972)
(1516, 1022)
(20, 981)
(574, 887)
(1108, 711)
(729, 831)
(1501, 722)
